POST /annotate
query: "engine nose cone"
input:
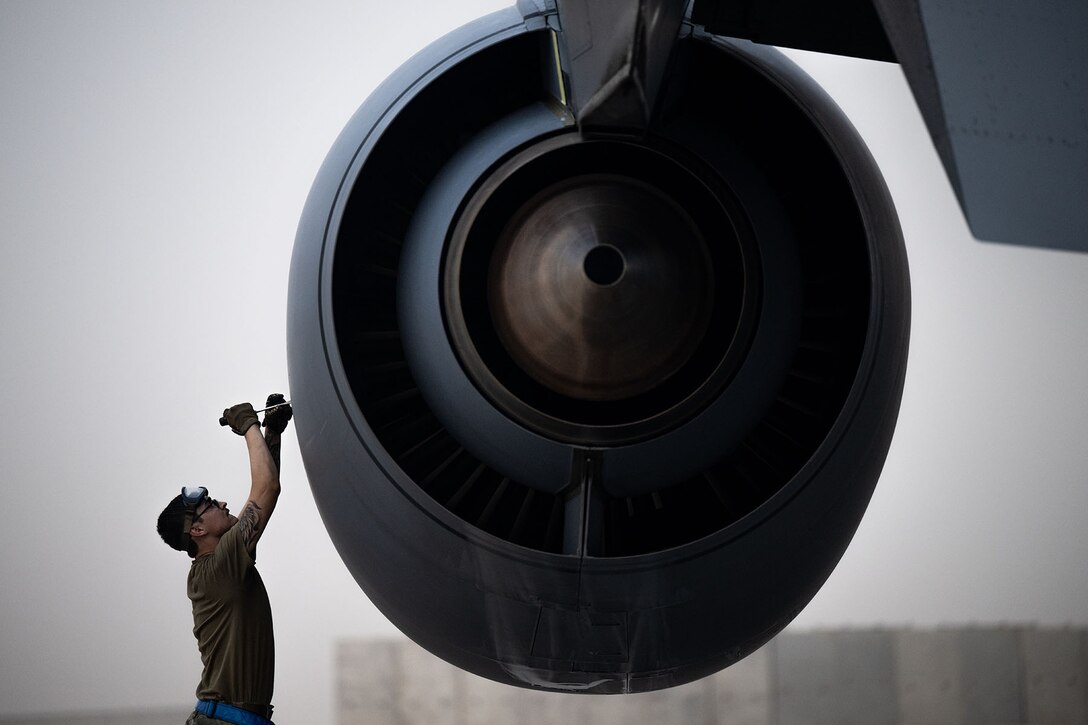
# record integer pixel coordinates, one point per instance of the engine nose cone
(600, 288)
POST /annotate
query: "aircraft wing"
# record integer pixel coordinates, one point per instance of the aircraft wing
(1002, 85)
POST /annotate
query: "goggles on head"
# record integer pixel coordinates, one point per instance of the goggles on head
(192, 497)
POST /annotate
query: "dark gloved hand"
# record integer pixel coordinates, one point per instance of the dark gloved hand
(240, 417)
(276, 420)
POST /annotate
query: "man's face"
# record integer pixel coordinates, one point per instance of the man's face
(215, 516)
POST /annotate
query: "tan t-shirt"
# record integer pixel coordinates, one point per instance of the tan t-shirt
(232, 621)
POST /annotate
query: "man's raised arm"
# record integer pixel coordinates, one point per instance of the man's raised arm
(264, 474)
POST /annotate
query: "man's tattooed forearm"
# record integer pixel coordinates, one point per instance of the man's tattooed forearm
(251, 524)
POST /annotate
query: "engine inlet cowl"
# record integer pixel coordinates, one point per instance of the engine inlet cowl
(593, 412)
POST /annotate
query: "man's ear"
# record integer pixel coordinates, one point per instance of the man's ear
(197, 530)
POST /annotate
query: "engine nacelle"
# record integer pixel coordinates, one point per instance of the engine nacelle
(595, 411)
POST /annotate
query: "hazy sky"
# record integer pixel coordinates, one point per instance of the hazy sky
(154, 158)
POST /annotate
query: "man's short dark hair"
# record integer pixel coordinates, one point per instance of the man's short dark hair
(171, 522)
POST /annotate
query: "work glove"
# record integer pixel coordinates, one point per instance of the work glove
(240, 418)
(276, 420)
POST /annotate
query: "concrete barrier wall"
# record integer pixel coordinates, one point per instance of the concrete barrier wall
(951, 676)
(969, 676)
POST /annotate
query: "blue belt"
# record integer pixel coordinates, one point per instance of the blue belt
(230, 713)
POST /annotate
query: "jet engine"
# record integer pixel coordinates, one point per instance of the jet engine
(590, 405)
